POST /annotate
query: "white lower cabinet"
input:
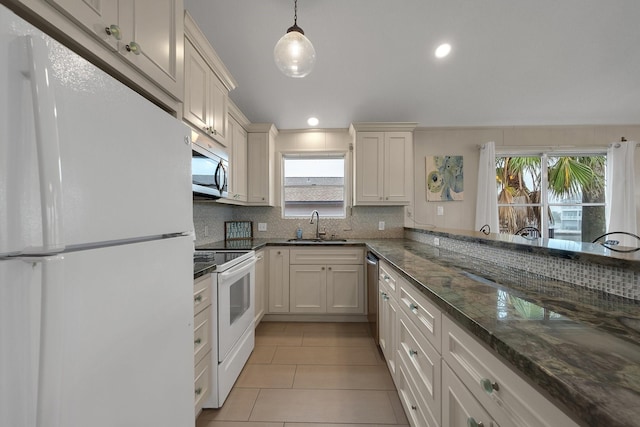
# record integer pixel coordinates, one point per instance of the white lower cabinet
(445, 376)
(278, 280)
(326, 280)
(201, 339)
(459, 407)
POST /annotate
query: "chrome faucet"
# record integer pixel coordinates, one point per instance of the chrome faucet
(315, 212)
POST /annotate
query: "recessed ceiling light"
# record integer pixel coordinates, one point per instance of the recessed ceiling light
(313, 121)
(443, 50)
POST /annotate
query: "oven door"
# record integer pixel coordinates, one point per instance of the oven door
(236, 303)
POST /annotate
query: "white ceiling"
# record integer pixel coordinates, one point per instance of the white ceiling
(514, 62)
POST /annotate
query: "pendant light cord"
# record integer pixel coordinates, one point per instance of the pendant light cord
(295, 12)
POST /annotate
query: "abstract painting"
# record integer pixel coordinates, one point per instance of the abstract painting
(445, 178)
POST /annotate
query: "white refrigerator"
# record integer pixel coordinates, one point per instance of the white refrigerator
(96, 268)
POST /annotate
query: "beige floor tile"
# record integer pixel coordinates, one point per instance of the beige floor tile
(398, 409)
(265, 327)
(209, 423)
(262, 354)
(323, 406)
(336, 340)
(325, 356)
(266, 376)
(348, 327)
(343, 377)
(237, 407)
(279, 339)
(340, 425)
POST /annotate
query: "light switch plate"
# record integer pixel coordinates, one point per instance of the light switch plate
(262, 226)
(440, 210)
(380, 225)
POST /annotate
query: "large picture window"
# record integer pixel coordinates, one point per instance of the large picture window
(560, 194)
(314, 183)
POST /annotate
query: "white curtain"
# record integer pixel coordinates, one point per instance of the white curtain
(487, 201)
(621, 199)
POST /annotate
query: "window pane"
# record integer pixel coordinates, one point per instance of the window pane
(314, 184)
(519, 183)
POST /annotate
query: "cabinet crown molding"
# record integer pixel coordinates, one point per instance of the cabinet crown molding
(382, 127)
(203, 46)
(263, 127)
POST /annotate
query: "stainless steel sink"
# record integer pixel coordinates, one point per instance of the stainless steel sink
(302, 241)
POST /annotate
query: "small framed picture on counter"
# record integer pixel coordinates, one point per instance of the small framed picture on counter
(236, 230)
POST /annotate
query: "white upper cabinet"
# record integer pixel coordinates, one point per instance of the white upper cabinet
(383, 163)
(147, 34)
(260, 159)
(207, 83)
(238, 158)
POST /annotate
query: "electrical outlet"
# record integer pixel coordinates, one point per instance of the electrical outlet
(380, 225)
(206, 231)
(436, 241)
(262, 226)
(440, 210)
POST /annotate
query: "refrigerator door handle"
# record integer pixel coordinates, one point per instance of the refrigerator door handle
(47, 144)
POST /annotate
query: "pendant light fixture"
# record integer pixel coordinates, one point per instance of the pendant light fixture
(294, 54)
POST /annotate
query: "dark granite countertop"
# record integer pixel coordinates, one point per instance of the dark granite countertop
(580, 346)
(202, 268)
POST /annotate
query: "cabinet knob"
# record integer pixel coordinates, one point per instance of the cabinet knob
(471, 422)
(386, 198)
(278, 252)
(198, 298)
(329, 268)
(413, 352)
(198, 391)
(386, 277)
(322, 269)
(134, 48)
(489, 386)
(113, 31)
(414, 408)
(197, 341)
(413, 307)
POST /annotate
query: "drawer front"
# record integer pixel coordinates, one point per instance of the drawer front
(459, 407)
(422, 363)
(423, 313)
(201, 293)
(411, 401)
(326, 256)
(388, 278)
(509, 399)
(201, 335)
(202, 382)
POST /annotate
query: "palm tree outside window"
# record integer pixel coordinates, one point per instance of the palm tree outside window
(561, 194)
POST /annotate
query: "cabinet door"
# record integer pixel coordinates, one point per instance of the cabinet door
(345, 289)
(387, 325)
(219, 98)
(369, 167)
(156, 28)
(459, 407)
(95, 15)
(238, 161)
(196, 80)
(260, 300)
(278, 280)
(259, 173)
(398, 167)
(308, 289)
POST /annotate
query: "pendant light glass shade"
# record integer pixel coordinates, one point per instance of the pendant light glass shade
(294, 54)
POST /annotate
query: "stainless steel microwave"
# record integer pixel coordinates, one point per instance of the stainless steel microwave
(209, 174)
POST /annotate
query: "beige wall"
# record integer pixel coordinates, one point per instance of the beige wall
(465, 141)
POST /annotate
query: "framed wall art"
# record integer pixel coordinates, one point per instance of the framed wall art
(445, 178)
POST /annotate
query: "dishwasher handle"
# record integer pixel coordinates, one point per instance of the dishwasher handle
(371, 259)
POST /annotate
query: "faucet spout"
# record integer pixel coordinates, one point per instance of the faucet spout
(317, 214)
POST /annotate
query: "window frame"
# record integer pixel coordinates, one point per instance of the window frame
(544, 154)
(344, 155)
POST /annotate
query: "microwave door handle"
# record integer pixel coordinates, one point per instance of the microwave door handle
(216, 177)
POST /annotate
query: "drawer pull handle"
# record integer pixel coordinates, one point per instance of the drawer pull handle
(414, 407)
(413, 307)
(489, 386)
(198, 391)
(413, 352)
(471, 422)
(198, 298)
(197, 341)
(387, 277)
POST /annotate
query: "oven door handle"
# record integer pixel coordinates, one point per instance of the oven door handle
(239, 269)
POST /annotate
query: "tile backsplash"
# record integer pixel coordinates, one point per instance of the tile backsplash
(361, 222)
(612, 280)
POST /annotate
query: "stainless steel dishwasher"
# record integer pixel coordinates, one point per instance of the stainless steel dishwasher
(372, 294)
